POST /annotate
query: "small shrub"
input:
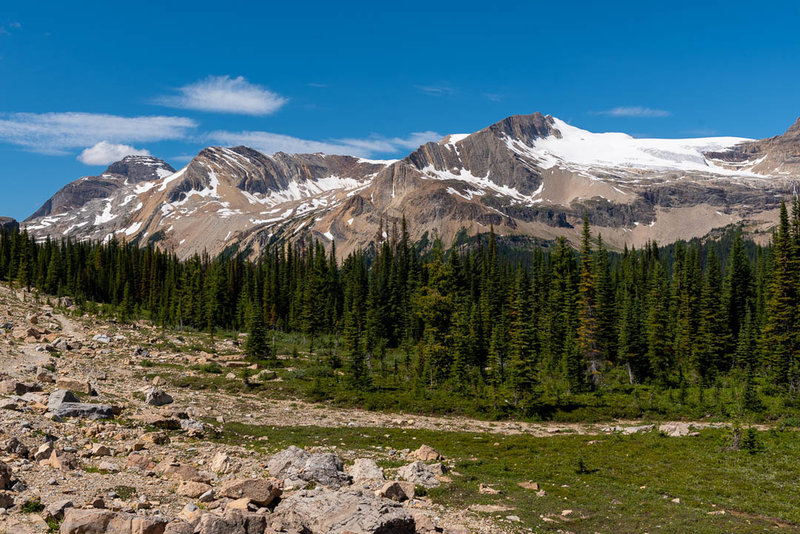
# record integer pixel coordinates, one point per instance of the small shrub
(32, 506)
(125, 492)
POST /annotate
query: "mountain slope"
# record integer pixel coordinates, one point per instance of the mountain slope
(531, 175)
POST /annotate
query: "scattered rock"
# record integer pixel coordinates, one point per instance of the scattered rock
(397, 491)
(259, 490)
(529, 485)
(71, 384)
(347, 510)
(365, 469)
(419, 473)
(100, 450)
(157, 397)
(57, 509)
(222, 463)
(78, 521)
(485, 489)
(192, 489)
(5, 476)
(426, 454)
(296, 464)
(101, 338)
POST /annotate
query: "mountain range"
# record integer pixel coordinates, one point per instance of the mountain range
(527, 175)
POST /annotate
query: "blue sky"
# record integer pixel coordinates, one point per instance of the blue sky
(82, 82)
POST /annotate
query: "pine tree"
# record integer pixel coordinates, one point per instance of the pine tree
(780, 328)
(588, 326)
(257, 344)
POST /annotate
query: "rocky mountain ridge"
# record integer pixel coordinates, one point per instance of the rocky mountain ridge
(530, 175)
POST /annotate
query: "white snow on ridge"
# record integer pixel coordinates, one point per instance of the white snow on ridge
(587, 149)
(297, 191)
(106, 216)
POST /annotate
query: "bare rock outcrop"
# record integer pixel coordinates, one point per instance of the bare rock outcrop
(322, 511)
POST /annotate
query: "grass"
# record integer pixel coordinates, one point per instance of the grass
(610, 482)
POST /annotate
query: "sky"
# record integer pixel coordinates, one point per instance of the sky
(84, 83)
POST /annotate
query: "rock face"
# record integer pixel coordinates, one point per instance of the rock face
(528, 175)
(8, 224)
(350, 510)
(131, 169)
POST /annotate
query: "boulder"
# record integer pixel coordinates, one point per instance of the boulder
(72, 384)
(397, 491)
(43, 452)
(191, 489)
(107, 522)
(365, 469)
(84, 410)
(101, 338)
(232, 522)
(140, 462)
(173, 469)
(157, 397)
(222, 463)
(62, 460)
(59, 397)
(6, 499)
(12, 387)
(296, 464)
(426, 454)
(57, 509)
(336, 512)
(179, 527)
(259, 490)
(15, 446)
(99, 449)
(5, 476)
(419, 473)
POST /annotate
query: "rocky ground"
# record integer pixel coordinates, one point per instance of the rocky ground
(88, 445)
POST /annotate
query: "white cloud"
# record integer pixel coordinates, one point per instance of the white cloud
(227, 95)
(56, 133)
(634, 111)
(435, 90)
(270, 143)
(104, 153)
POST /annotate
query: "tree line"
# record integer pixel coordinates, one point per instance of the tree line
(470, 320)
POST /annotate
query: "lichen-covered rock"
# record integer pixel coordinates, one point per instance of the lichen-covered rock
(336, 512)
(365, 469)
(419, 473)
(296, 464)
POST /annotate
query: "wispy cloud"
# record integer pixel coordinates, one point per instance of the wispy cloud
(104, 153)
(226, 95)
(7, 29)
(634, 111)
(436, 90)
(56, 133)
(270, 143)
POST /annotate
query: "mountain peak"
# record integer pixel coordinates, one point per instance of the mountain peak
(526, 128)
(794, 129)
(139, 168)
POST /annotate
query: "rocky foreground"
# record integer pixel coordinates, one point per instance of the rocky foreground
(95, 438)
(87, 446)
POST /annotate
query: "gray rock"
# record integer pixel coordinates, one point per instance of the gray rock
(335, 512)
(102, 338)
(157, 397)
(297, 464)
(84, 410)
(419, 473)
(57, 509)
(59, 397)
(15, 446)
(365, 469)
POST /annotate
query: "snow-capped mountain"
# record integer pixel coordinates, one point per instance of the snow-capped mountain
(527, 174)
